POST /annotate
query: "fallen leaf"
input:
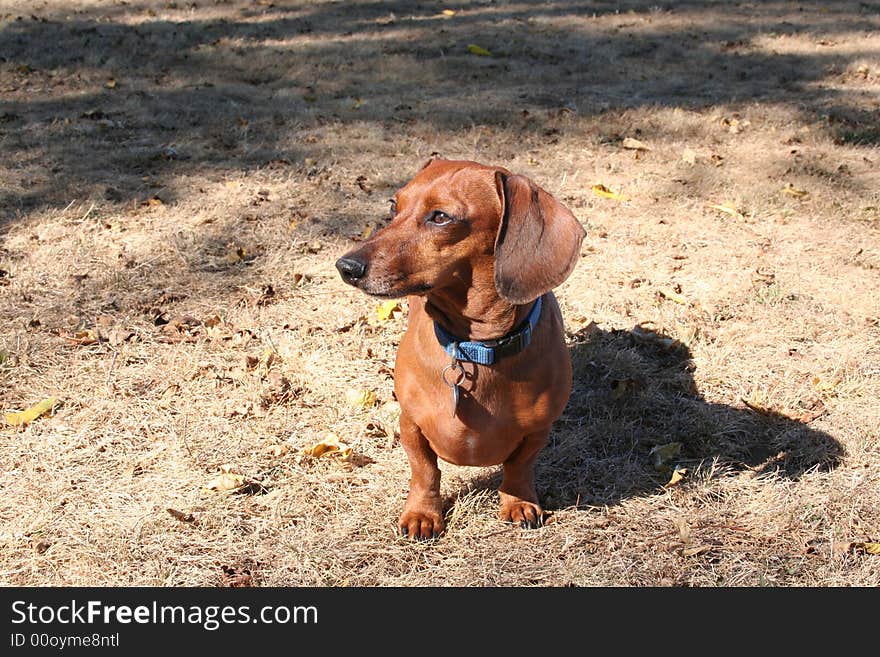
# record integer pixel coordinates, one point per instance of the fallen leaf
(357, 103)
(329, 444)
(110, 84)
(823, 385)
(360, 398)
(647, 335)
(168, 396)
(119, 335)
(727, 208)
(794, 191)
(387, 309)
(235, 254)
(689, 156)
(867, 548)
(807, 414)
(367, 232)
(684, 530)
(449, 12)
(663, 455)
(29, 415)
(277, 450)
(361, 182)
(226, 480)
(477, 50)
(693, 551)
(376, 429)
(678, 473)
(672, 295)
(300, 279)
(180, 515)
(278, 390)
(604, 192)
(635, 144)
(735, 125)
(237, 579)
(82, 338)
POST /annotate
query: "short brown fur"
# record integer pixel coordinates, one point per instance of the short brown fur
(506, 243)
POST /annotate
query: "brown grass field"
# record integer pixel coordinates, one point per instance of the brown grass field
(178, 178)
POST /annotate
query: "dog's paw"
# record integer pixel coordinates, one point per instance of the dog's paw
(420, 525)
(525, 514)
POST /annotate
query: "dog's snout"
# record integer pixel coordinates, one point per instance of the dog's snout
(351, 269)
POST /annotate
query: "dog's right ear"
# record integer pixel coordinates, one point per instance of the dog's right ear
(538, 242)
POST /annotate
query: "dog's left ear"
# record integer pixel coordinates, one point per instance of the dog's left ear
(538, 241)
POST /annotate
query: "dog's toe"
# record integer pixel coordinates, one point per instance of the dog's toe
(420, 527)
(525, 514)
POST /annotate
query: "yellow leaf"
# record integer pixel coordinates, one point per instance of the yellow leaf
(635, 144)
(367, 232)
(869, 548)
(477, 50)
(662, 455)
(31, 414)
(360, 398)
(677, 475)
(823, 385)
(110, 84)
(277, 450)
(357, 103)
(329, 445)
(226, 480)
(386, 310)
(794, 191)
(672, 295)
(235, 254)
(727, 208)
(604, 192)
(449, 12)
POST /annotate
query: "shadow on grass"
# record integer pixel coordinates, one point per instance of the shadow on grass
(102, 99)
(634, 391)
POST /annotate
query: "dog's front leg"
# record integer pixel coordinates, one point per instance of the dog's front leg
(519, 501)
(422, 516)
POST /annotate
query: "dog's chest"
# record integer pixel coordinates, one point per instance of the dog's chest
(485, 424)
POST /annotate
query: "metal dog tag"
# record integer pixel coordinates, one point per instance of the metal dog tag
(458, 374)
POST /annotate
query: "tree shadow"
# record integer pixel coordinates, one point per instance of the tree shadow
(102, 99)
(634, 396)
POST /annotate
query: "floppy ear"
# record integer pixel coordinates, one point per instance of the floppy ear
(538, 241)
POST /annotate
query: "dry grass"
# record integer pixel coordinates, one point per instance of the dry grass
(250, 124)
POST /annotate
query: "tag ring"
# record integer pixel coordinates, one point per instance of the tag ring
(453, 366)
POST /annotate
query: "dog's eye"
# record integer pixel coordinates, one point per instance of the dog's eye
(440, 218)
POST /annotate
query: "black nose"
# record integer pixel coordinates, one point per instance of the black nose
(351, 269)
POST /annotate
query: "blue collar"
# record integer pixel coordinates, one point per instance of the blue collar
(490, 351)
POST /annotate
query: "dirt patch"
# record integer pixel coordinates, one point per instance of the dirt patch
(178, 179)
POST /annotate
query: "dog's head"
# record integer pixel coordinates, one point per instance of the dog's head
(455, 216)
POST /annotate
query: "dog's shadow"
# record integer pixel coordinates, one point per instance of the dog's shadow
(635, 415)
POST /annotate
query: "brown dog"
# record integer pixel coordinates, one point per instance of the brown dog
(482, 371)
